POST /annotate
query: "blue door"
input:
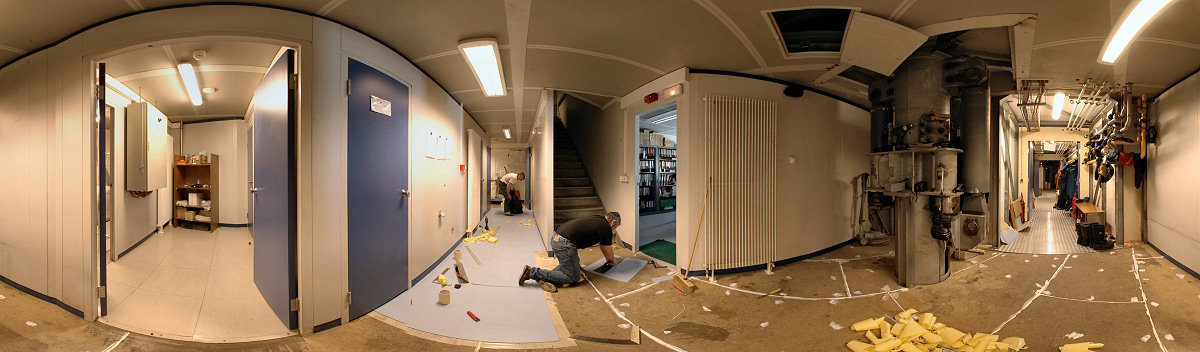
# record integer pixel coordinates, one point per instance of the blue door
(273, 189)
(377, 176)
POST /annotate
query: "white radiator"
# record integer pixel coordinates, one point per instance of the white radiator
(739, 165)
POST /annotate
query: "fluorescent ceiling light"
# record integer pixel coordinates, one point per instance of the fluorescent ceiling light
(666, 118)
(188, 74)
(507, 133)
(1058, 103)
(117, 85)
(483, 55)
(1133, 23)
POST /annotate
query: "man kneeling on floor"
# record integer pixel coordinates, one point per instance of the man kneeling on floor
(567, 241)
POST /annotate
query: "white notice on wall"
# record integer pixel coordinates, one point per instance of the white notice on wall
(381, 106)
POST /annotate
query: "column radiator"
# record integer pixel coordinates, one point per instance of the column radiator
(739, 159)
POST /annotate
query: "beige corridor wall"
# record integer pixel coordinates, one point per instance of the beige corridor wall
(47, 241)
(1172, 193)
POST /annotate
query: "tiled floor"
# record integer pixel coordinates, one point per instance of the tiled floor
(1052, 232)
(191, 285)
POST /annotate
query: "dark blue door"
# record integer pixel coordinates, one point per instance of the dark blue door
(377, 175)
(273, 188)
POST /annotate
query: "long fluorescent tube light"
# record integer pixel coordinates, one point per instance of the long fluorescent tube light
(1058, 104)
(483, 55)
(117, 85)
(1132, 24)
(667, 118)
(507, 133)
(188, 74)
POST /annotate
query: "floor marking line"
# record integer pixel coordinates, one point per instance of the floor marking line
(844, 280)
(619, 315)
(1036, 294)
(975, 265)
(843, 260)
(1087, 301)
(610, 299)
(903, 289)
(1145, 303)
(115, 344)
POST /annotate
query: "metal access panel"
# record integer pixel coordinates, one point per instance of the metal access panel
(377, 176)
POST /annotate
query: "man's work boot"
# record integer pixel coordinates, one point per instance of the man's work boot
(524, 275)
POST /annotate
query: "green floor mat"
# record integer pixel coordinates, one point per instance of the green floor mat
(661, 249)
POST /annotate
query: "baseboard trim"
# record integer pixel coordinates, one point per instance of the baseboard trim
(39, 295)
(1176, 262)
(232, 225)
(438, 261)
(777, 262)
(135, 245)
(328, 325)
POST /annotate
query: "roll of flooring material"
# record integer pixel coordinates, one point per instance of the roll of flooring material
(444, 297)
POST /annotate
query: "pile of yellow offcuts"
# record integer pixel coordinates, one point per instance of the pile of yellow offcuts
(487, 236)
(922, 333)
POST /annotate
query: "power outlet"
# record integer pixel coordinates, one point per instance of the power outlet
(625, 178)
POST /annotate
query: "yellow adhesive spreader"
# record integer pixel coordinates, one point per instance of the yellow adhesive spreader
(1080, 347)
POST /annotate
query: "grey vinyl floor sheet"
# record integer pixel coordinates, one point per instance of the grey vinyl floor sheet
(508, 313)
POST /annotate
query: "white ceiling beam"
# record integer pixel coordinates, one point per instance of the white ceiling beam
(965, 23)
(789, 68)
(330, 6)
(12, 49)
(1020, 39)
(516, 13)
(206, 68)
(733, 28)
(135, 5)
(833, 72)
(901, 9)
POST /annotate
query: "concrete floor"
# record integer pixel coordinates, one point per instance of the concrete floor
(976, 298)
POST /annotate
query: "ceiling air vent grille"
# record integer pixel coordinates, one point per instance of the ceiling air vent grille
(810, 29)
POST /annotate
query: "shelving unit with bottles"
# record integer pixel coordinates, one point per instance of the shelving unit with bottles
(200, 179)
(656, 179)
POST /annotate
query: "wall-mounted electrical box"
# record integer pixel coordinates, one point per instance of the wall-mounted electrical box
(148, 154)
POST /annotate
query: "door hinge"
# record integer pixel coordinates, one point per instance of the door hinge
(99, 92)
(347, 87)
(295, 305)
(101, 292)
(347, 299)
(293, 81)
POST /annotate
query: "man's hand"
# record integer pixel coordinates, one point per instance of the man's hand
(608, 255)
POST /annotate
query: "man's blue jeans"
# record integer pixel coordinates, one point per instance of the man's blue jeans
(568, 270)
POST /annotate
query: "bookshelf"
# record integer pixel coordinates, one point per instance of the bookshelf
(656, 179)
(200, 179)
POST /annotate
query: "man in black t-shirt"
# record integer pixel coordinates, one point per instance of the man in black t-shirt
(568, 239)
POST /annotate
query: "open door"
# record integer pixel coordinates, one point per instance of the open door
(102, 168)
(273, 187)
(377, 180)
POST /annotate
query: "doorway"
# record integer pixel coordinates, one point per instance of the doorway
(181, 262)
(657, 157)
(1053, 187)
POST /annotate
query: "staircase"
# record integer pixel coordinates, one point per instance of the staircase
(574, 195)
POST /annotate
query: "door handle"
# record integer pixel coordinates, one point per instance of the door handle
(255, 189)
(404, 192)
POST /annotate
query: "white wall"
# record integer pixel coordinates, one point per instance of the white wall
(1172, 194)
(513, 160)
(829, 140)
(48, 243)
(133, 218)
(541, 174)
(226, 139)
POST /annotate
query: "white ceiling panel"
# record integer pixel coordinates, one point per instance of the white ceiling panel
(421, 28)
(28, 25)
(663, 34)
(1143, 68)
(555, 69)
(453, 73)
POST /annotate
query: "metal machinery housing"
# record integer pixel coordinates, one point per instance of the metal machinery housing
(929, 162)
